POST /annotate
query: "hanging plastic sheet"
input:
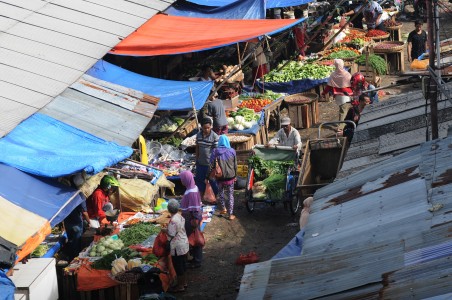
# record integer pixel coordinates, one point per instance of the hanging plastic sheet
(174, 95)
(269, 3)
(291, 87)
(46, 147)
(244, 9)
(164, 35)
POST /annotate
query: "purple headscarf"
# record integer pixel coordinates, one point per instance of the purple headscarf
(187, 179)
(191, 201)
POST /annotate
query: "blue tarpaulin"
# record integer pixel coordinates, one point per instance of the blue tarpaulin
(291, 87)
(46, 147)
(7, 287)
(269, 3)
(174, 95)
(244, 9)
(293, 248)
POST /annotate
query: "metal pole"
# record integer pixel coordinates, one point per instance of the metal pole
(433, 94)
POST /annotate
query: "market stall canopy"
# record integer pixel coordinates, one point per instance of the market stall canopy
(244, 9)
(41, 203)
(98, 106)
(174, 95)
(163, 35)
(44, 146)
(269, 3)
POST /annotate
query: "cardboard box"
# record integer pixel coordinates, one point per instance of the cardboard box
(231, 103)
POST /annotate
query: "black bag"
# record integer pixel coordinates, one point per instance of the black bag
(7, 254)
(168, 246)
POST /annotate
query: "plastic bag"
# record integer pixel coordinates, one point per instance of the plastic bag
(209, 195)
(246, 259)
(196, 238)
(160, 243)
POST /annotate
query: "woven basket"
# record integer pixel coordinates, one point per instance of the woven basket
(292, 98)
(380, 37)
(394, 27)
(397, 47)
(246, 144)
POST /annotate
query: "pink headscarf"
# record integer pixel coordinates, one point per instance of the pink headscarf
(340, 78)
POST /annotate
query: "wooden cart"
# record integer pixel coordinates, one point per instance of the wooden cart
(321, 162)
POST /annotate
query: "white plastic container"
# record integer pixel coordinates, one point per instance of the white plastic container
(340, 99)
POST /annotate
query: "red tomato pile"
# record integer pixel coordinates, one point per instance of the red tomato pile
(255, 104)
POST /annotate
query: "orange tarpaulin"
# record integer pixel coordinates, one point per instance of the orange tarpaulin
(162, 34)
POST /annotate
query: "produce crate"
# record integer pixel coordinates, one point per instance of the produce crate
(187, 128)
(231, 103)
(246, 144)
(370, 75)
(243, 155)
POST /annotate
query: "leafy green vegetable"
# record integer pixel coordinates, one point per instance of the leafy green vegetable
(296, 70)
(376, 62)
(342, 54)
(275, 185)
(247, 113)
(40, 251)
(138, 233)
(105, 262)
(266, 168)
(150, 259)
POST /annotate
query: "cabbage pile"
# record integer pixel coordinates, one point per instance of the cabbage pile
(105, 246)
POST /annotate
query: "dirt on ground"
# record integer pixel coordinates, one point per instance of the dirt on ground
(270, 227)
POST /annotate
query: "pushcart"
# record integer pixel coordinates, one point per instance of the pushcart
(290, 197)
(322, 160)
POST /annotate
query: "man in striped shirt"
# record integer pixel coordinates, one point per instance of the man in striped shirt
(206, 140)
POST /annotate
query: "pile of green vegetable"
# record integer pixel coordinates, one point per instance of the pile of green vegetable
(150, 259)
(297, 70)
(106, 245)
(376, 62)
(266, 168)
(173, 141)
(105, 262)
(138, 233)
(275, 185)
(40, 250)
(342, 54)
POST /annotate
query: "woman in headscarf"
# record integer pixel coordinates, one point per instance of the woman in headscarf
(226, 158)
(192, 212)
(339, 85)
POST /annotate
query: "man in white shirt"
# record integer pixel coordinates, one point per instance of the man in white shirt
(286, 136)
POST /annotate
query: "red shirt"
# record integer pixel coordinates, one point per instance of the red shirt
(299, 39)
(95, 202)
(335, 90)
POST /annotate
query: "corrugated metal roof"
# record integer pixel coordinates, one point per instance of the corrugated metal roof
(391, 127)
(45, 46)
(403, 203)
(105, 110)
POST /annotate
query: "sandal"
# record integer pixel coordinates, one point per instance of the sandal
(223, 212)
(231, 217)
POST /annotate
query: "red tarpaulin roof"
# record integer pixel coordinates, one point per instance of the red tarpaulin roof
(162, 34)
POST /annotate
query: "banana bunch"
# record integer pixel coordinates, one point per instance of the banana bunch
(118, 265)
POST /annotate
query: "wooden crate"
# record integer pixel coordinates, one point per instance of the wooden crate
(370, 75)
(243, 155)
(246, 145)
(187, 128)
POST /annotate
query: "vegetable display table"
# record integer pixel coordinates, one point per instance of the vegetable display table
(395, 60)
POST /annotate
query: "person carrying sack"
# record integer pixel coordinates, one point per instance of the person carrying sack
(225, 158)
(192, 213)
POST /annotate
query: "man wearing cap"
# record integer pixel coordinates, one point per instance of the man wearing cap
(287, 135)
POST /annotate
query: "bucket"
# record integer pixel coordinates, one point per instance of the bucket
(340, 99)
